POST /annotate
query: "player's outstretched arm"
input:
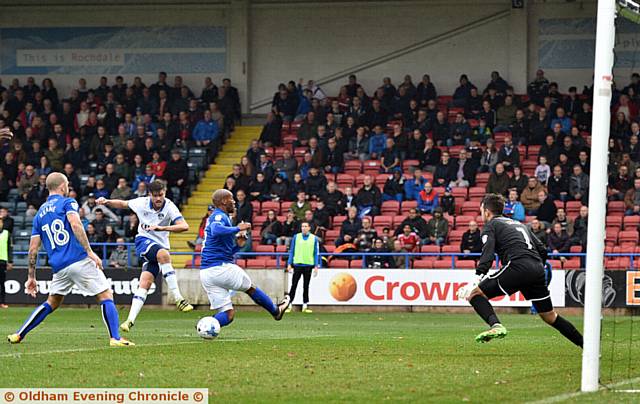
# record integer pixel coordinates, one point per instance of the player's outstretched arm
(78, 231)
(34, 247)
(180, 226)
(113, 203)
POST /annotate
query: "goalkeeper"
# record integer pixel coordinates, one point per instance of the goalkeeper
(524, 258)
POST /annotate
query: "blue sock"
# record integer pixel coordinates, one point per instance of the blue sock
(223, 318)
(265, 301)
(36, 317)
(110, 317)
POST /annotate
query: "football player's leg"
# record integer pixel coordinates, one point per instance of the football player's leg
(541, 299)
(169, 273)
(36, 317)
(110, 318)
(479, 299)
(305, 291)
(217, 289)
(149, 272)
(243, 283)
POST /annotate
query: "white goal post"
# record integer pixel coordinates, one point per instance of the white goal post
(602, 81)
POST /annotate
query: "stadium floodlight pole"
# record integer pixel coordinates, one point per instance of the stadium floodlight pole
(602, 87)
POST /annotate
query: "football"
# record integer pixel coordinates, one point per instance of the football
(208, 327)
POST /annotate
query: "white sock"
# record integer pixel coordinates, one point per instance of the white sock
(172, 282)
(304, 306)
(136, 304)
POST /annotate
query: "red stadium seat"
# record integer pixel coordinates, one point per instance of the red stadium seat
(264, 248)
(345, 180)
(628, 236)
(477, 192)
(573, 263)
(353, 165)
(470, 208)
(460, 194)
(407, 205)
(614, 221)
(631, 222)
(465, 264)
(270, 205)
(256, 263)
(451, 249)
(285, 206)
(390, 208)
(356, 264)
(615, 208)
(339, 263)
(384, 221)
(443, 264)
(423, 264)
(555, 264)
(431, 248)
(408, 164)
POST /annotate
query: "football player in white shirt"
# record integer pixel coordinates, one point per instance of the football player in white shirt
(158, 217)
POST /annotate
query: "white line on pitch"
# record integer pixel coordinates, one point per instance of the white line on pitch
(103, 348)
(567, 396)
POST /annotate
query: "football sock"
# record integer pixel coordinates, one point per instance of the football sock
(568, 330)
(110, 317)
(484, 309)
(223, 318)
(265, 301)
(36, 317)
(172, 281)
(304, 306)
(136, 304)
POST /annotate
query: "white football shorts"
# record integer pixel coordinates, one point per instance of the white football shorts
(84, 274)
(220, 280)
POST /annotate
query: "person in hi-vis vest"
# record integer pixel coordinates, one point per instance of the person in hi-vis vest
(304, 257)
(6, 260)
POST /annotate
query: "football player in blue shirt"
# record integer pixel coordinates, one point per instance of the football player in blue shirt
(58, 227)
(219, 275)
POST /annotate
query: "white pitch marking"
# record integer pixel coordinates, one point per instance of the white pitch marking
(567, 396)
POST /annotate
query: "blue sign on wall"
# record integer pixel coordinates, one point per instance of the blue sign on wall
(570, 43)
(113, 50)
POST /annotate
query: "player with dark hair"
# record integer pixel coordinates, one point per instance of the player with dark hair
(158, 217)
(524, 258)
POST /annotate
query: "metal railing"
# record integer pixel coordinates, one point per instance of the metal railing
(281, 257)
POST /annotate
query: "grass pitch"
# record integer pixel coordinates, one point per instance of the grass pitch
(416, 357)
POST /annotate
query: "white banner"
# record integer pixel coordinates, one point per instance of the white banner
(405, 287)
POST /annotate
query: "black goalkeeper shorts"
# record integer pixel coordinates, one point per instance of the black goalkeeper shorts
(523, 275)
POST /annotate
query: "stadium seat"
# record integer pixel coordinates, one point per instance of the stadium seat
(615, 208)
(390, 208)
(614, 221)
(477, 192)
(353, 165)
(430, 248)
(345, 180)
(455, 236)
(462, 221)
(371, 167)
(465, 264)
(264, 248)
(628, 236)
(256, 263)
(339, 263)
(460, 195)
(443, 264)
(409, 164)
(285, 206)
(631, 222)
(572, 263)
(270, 205)
(423, 264)
(470, 208)
(406, 205)
(555, 264)
(356, 264)
(384, 221)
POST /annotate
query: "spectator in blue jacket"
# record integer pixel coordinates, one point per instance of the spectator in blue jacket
(206, 130)
(563, 120)
(148, 177)
(513, 208)
(377, 143)
(304, 102)
(413, 186)
(428, 199)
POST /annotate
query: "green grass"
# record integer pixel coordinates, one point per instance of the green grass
(415, 357)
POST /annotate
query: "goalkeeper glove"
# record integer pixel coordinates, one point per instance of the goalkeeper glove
(465, 291)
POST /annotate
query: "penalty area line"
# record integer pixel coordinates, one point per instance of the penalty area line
(104, 348)
(567, 396)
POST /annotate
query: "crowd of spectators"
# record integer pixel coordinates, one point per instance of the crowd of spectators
(414, 145)
(111, 140)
